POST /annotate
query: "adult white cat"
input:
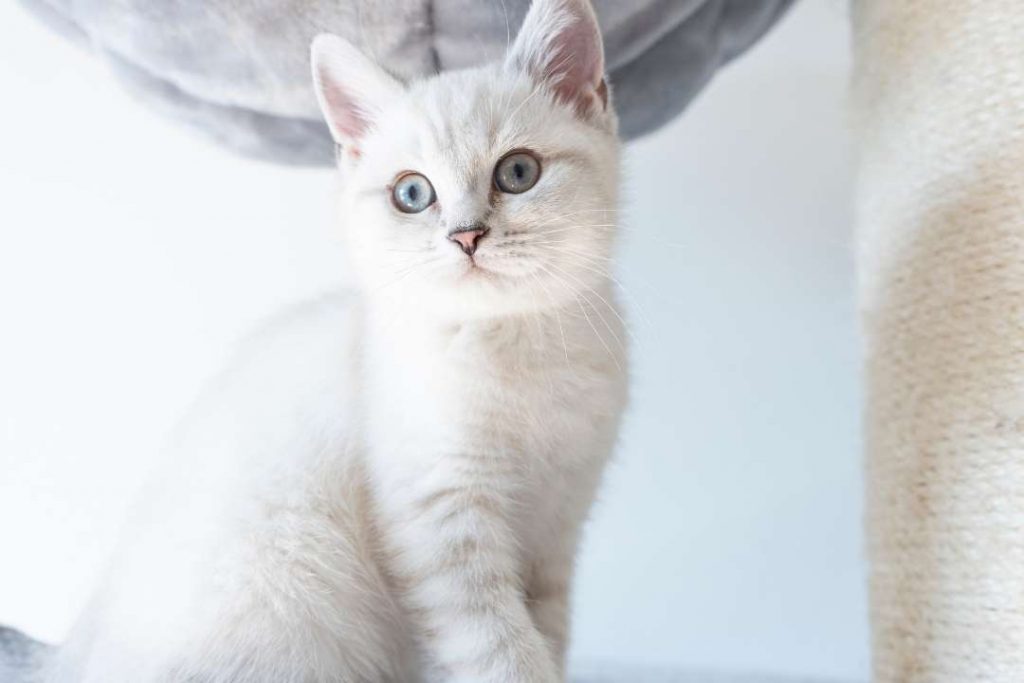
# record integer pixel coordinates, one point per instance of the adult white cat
(389, 486)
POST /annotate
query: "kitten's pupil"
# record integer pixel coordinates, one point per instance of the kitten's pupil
(413, 193)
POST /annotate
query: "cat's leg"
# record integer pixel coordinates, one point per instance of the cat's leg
(560, 506)
(547, 594)
(457, 558)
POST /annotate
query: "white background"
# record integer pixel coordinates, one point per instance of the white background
(728, 536)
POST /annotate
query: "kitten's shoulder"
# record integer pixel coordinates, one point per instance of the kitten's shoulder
(323, 319)
(294, 367)
(313, 336)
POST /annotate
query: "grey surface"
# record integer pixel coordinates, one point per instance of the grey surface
(619, 673)
(20, 656)
(237, 70)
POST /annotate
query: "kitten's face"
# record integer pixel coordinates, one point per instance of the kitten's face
(478, 193)
(488, 191)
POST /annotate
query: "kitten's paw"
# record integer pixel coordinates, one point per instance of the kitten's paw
(530, 671)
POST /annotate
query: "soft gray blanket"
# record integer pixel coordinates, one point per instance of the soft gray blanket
(20, 656)
(238, 69)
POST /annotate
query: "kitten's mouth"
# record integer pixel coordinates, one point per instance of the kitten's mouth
(475, 271)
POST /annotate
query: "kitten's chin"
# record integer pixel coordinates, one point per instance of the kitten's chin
(472, 294)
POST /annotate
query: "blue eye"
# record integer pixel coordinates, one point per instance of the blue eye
(412, 193)
(517, 172)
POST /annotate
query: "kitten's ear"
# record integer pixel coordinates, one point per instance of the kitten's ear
(351, 89)
(560, 45)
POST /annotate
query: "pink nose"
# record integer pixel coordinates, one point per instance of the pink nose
(468, 238)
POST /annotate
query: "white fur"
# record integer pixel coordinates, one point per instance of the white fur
(389, 486)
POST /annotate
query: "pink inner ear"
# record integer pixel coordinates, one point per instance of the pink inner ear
(575, 67)
(347, 121)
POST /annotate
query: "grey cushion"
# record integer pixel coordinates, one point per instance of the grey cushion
(238, 69)
(19, 656)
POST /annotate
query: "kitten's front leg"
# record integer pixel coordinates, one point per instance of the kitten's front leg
(554, 551)
(459, 561)
(547, 595)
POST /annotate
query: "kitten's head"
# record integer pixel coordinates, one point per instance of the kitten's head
(481, 192)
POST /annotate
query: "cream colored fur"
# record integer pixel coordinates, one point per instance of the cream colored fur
(389, 485)
(940, 89)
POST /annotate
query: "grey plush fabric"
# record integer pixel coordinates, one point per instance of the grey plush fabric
(20, 656)
(238, 69)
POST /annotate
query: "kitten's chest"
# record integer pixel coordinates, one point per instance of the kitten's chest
(504, 390)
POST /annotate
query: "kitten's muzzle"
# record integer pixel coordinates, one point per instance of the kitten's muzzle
(467, 237)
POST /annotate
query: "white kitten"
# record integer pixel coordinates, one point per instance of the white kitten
(390, 486)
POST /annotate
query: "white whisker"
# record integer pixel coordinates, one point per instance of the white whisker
(586, 316)
(603, 300)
